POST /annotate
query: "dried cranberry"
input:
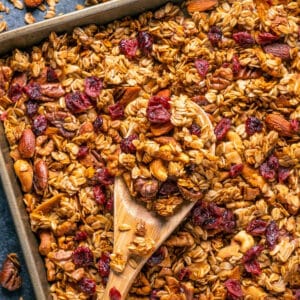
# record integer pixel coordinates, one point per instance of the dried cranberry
(264, 38)
(283, 174)
(103, 265)
(266, 171)
(158, 114)
(104, 177)
(202, 66)
(98, 124)
(127, 145)
(116, 111)
(184, 273)
(31, 108)
(128, 47)
(114, 294)
(33, 90)
(214, 35)
(81, 236)
(99, 195)
(273, 162)
(77, 102)
(145, 42)
(82, 152)
(228, 221)
(154, 295)
(195, 129)
(234, 289)
(250, 260)
(109, 206)
(235, 170)
(253, 125)
(92, 86)
(236, 65)
(39, 124)
(51, 75)
(83, 257)
(87, 285)
(169, 187)
(243, 38)
(156, 258)
(295, 125)
(272, 234)
(15, 92)
(297, 294)
(257, 227)
(159, 100)
(222, 128)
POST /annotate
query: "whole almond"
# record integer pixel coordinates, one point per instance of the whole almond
(279, 50)
(33, 3)
(40, 171)
(279, 124)
(26, 145)
(201, 5)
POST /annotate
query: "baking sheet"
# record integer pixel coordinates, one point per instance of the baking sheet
(25, 37)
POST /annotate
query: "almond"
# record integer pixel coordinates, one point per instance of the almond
(125, 95)
(33, 3)
(279, 124)
(161, 129)
(40, 170)
(26, 145)
(201, 5)
(279, 50)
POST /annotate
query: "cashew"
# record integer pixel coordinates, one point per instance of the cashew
(229, 251)
(245, 239)
(158, 170)
(47, 239)
(24, 171)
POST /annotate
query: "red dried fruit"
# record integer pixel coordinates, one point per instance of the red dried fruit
(159, 100)
(195, 129)
(236, 65)
(158, 114)
(156, 258)
(99, 195)
(184, 273)
(116, 111)
(243, 38)
(202, 67)
(127, 145)
(283, 174)
(77, 102)
(114, 294)
(154, 295)
(222, 128)
(80, 236)
(109, 206)
(51, 75)
(104, 177)
(145, 42)
(273, 162)
(267, 172)
(253, 125)
(82, 152)
(297, 294)
(295, 125)
(250, 260)
(128, 47)
(215, 35)
(31, 108)
(264, 38)
(279, 50)
(234, 289)
(87, 285)
(235, 170)
(272, 234)
(15, 92)
(93, 86)
(103, 265)
(257, 227)
(169, 187)
(33, 90)
(39, 124)
(98, 124)
(83, 257)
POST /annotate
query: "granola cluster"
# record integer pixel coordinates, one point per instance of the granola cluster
(68, 105)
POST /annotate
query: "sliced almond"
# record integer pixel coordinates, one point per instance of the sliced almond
(201, 5)
(279, 124)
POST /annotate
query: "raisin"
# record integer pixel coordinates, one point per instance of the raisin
(114, 294)
(253, 125)
(127, 145)
(295, 125)
(103, 265)
(250, 260)
(97, 124)
(184, 273)
(235, 170)
(82, 152)
(222, 128)
(214, 35)
(234, 289)
(202, 67)
(77, 102)
(39, 124)
(236, 65)
(266, 171)
(283, 174)
(93, 86)
(83, 257)
(15, 92)
(145, 42)
(169, 187)
(87, 285)
(81, 236)
(243, 38)
(104, 177)
(128, 47)
(33, 90)
(156, 258)
(51, 75)
(264, 38)
(257, 227)
(116, 111)
(195, 129)
(272, 234)
(31, 108)
(99, 195)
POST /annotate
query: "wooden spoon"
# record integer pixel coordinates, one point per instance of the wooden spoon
(128, 211)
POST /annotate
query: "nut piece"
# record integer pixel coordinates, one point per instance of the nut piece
(201, 5)
(40, 175)
(26, 145)
(33, 3)
(158, 170)
(10, 277)
(125, 95)
(279, 124)
(24, 172)
(47, 239)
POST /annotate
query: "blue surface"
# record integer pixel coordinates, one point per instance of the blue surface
(10, 243)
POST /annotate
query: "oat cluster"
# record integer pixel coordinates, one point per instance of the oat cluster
(80, 109)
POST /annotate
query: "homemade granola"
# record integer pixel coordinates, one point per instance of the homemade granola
(67, 106)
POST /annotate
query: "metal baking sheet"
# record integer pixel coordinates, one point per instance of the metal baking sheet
(25, 37)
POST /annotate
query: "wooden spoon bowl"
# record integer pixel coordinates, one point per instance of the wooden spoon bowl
(129, 212)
